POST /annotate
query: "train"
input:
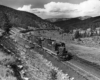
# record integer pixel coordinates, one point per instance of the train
(58, 48)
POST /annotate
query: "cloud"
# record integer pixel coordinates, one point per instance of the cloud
(26, 8)
(65, 10)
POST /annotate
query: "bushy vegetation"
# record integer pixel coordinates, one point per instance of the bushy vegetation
(6, 73)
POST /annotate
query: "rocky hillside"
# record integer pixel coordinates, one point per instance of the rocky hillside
(10, 17)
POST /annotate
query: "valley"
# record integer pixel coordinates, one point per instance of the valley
(23, 57)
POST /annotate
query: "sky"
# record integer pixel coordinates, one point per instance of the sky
(56, 8)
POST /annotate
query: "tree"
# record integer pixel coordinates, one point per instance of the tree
(77, 34)
(7, 24)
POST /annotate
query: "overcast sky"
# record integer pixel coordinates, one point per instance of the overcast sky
(56, 8)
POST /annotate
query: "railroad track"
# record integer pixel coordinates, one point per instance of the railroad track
(78, 69)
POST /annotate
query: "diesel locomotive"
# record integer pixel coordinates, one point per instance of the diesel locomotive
(59, 48)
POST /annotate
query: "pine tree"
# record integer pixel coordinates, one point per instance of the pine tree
(77, 34)
(6, 25)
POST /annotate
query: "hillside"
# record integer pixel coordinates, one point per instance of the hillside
(63, 19)
(77, 23)
(10, 17)
(56, 19)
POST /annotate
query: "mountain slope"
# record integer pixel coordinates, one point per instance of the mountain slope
(10, 17)
(76, 23)
(56, 19)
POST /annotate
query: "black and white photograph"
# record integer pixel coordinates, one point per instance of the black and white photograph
(49, 39)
